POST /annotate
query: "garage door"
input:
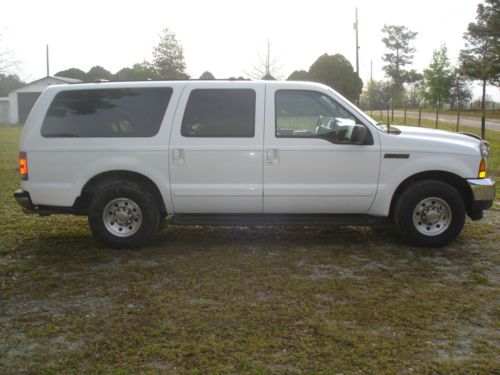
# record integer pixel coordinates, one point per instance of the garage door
(26, 101)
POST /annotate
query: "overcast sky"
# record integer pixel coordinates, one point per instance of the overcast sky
(225, 37)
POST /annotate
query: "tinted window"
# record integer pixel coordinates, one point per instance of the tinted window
(301, 113)
(136, 112)
(220, 113)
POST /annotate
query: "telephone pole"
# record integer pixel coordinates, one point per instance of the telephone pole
(47, 53)
(357, 50)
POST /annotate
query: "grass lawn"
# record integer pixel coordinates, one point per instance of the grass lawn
(242, 300)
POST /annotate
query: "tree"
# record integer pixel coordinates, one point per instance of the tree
(267, 67)
(376, 95)
(72, 73)
(438, 78)
(480, 60)
(207, 76)
(460, 93)
(139, 72)
(168, 57)
(337, 72)
(8, 83)
(7, 60)
(268, 77)
(298, 75)
(97, 73)
(397, 40)
(413, 94)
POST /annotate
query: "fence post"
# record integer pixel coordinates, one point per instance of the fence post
(419, 115)
(458, 120)
(437, 117)
(392, 109)
(483, 125)
(404, 121)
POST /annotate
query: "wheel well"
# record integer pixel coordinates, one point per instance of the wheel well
(97, 182)
(448, 178)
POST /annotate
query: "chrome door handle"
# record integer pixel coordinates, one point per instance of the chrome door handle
(178, 156)
(272, 156)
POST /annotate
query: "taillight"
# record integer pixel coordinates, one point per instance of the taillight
(23, 165)
(482, 169)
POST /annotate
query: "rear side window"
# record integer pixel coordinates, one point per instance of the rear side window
(135, 112)
(220, 113)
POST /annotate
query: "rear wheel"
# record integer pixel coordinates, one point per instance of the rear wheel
(430, 213)
(124, 215)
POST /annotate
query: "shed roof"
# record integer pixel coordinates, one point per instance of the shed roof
(51, 80)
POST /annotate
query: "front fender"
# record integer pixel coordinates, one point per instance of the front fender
(394, 171)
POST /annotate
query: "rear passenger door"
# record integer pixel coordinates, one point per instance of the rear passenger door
(216, 149)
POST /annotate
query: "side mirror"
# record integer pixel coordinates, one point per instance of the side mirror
(359, 134)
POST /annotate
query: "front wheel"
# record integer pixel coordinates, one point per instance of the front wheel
(430, 213)
(124, 215)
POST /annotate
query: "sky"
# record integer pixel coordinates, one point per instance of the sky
(225, 37)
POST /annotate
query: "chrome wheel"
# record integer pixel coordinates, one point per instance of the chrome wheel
(122, 217)
(432, 216)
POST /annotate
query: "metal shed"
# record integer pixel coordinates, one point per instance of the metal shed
(22, 99)
(4, 110)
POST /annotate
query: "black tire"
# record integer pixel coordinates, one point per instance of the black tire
(406, 213)
(131, 194)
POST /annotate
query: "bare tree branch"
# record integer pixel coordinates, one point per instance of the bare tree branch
(7, 58)
(267, 67)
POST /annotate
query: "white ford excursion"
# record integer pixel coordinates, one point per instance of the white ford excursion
(243, 153)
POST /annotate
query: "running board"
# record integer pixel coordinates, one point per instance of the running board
(272, 219)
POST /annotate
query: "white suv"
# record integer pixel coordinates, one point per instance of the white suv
(241, 153)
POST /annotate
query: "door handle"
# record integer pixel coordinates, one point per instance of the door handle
(178, 156)
(272, 156)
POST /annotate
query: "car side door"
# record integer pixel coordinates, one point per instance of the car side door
(216, 148)
(314, 159)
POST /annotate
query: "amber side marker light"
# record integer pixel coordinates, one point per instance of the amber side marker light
(23, 165)
(482, 169)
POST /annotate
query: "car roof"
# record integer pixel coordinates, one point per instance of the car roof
(198, 83)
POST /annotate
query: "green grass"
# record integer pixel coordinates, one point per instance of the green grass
(242, 300)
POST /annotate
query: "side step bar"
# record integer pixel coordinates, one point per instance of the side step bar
(272, 219)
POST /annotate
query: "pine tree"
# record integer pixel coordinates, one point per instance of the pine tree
(168, 57)
(480, 60)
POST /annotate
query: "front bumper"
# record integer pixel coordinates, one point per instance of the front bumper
(483, 195)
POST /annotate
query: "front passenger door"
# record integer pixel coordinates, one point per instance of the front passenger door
(312, 162)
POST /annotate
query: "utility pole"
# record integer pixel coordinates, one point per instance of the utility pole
(357, 50)
(371, 70)
(47, 53)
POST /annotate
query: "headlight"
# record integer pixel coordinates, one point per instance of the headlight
(484, 147)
